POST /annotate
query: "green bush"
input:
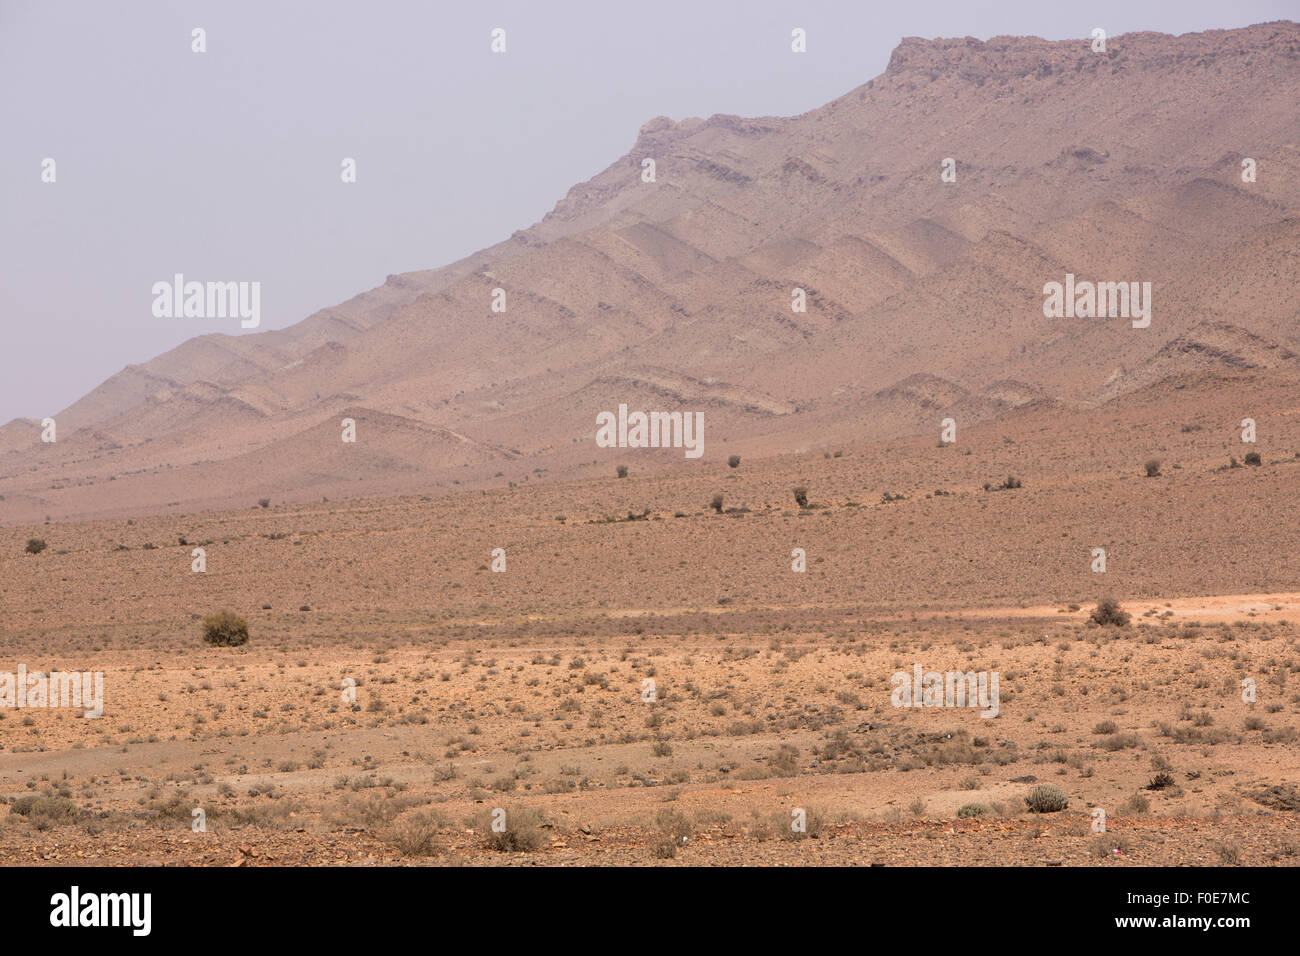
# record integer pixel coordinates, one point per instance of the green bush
(1046, 798)
(225, 629)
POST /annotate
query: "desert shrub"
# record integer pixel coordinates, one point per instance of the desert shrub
(1152, 468)
(225, 629)
(621, 471)
(716, 503)
(1160, 781)
(35, 545)
(1108, 611)
(416, 835)
(674, 830)
(264, 502)
(522, 832)
(734, 461)
(45, 812)
(1120, 742)
(1106, 727)
(1278, 797)
(971, 810)
(1046, 798)
(1252, 458)
(813, 822)
(801, 496)
(1229, 852)
(1011, 482)
(1136, 804)
(785, 762)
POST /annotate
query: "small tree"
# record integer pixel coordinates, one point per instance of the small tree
(1108, 611)
(621, 471)
(734, 461)
(225, 629)
(801, 496)
(35, 545)
(716, 503)
(1153, 468)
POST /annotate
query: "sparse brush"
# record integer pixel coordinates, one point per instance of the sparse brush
(716, 503)
(416, 835)
(801, 496)
(1152, 468)
(734, 461)
(675, 830)
(35, 545)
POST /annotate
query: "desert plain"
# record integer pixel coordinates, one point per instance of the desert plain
(396, 690)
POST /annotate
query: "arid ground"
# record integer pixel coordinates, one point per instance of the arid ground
(524, 690)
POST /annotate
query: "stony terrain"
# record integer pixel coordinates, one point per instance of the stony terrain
(523, 689)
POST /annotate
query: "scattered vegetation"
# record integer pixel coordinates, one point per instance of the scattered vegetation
(35, 545)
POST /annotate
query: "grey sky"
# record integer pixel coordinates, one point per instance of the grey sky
(225, 165)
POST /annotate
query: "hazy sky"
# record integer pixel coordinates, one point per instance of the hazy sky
(225, 165)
